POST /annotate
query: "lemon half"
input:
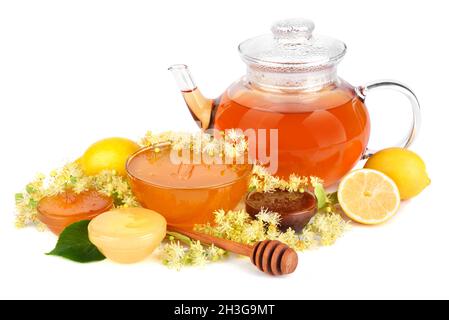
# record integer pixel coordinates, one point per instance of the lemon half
(368, 196)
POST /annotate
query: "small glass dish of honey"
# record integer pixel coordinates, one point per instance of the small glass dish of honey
(185, 193)
(61, 210)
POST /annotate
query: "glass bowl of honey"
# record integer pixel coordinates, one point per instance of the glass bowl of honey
(185, 193)
(61, 210)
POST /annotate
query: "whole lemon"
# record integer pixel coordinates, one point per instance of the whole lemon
(404, 167)
(108, 154)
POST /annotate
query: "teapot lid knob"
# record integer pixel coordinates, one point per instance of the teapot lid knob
(292, 48)
(293, 30)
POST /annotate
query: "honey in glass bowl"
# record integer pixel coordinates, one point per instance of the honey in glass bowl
(186, 193)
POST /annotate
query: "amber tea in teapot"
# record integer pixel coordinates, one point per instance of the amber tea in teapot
(320, 133)
(292, 86)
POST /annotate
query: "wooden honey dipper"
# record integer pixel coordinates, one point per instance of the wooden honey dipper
(270, 256)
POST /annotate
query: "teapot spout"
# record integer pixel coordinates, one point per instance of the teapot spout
(199, 106)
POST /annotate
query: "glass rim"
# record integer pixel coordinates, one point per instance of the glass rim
(168, 145)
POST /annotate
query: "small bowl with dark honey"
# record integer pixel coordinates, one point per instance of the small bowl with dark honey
(295, 208)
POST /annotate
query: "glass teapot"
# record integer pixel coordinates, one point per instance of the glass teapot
(292, 86)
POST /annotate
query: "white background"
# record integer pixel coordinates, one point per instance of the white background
(72, 72)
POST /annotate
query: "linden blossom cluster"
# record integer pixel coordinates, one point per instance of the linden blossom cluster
(232, 225)
(263, 181)
(237, 225)
(182, 251)
(70, 177)
(216, 146)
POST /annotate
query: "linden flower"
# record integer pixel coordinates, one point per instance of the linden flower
(270, 184)
(230, 150)
(330, 227)
(225, 228)
(176, 255)
(252, 232)
(180, 142)
(219, 216)
(296, 183)
(260, 171)
(240, 217)
(185, 140)
(147, 139)
(241, 146)
(272, 218)
(214, 253)
(315, 181)
(173, 255)
(81, 185)
(197, 254)
(324, 229)
(255, 183)
(234, 135)
(151, 139)
(212, 148)
(308, 238)
(196, 147)
(290, 238)
(272, 232)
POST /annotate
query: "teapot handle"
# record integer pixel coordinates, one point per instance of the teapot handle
(363, 91)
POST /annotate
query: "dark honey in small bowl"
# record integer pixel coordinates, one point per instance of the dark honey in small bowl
(296, 208)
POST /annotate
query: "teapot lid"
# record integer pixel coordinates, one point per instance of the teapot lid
(292, 48)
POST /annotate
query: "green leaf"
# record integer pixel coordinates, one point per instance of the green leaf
(30, 189)
(74, 244)
(33, 203)
(320, 195)
(180, 237)
(251, 188)
(19, 197)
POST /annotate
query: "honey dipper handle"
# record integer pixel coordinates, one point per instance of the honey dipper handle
(228, 245)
